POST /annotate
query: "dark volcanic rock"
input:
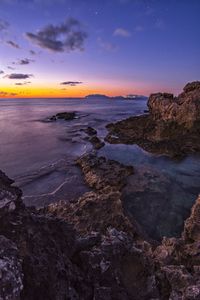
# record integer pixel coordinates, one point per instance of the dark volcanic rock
(93, 138)
(67, 116)
(172, 127)
(90, 131)
(96, 142)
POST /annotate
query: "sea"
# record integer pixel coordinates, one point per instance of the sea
(41, 157)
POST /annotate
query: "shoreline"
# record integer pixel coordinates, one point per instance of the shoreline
(93, 246)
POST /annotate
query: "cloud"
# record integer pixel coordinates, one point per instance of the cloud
(71, 83)
(25, 61)
(122, 32)
(67, 36)
(6, 94)
(13, 44)
(1, 72)
(10, 68)
(18, 76)
(108, 46)
(23, 83)
(3, 25)
(32, 52)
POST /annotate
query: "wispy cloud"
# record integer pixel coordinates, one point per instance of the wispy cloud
(32, 52)
(18, 76)
(6, 94)
(122, 32)
(13, 44)
(108, 46)
(3, 25)
(67, 36)
(10, 68)
(25, 61)
(22, 83)
(71, 83)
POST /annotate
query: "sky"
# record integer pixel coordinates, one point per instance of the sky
(72, 48)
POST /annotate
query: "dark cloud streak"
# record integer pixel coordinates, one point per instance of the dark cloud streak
(13, 44)
(67, 36)
(71, 83)
(22, 62)
(18, 76)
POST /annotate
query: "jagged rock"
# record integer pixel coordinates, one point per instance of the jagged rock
(94, 212)
(100, 255)
(172, 126)
(100, 172)
(192, 224)
(184, 110)
(11, 276)
(10, 197)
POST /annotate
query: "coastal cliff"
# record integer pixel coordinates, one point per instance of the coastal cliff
(172, 126)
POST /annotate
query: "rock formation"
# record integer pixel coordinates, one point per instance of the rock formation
(172, 126)
(67, 116)
(93, 138)
(89, 249)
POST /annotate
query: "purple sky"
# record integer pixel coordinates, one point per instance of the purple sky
(66, 48)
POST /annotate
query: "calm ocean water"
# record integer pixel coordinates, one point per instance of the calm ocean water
(40, 156)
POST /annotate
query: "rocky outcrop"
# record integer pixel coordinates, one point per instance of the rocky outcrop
(89, 249)
(172, 126)
(41, 257)
(179, 261)
(67, 116)
(90, 131)
(93, 138)
(96, 142)
(101, 173)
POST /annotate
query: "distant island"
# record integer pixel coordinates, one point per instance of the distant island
(128, 97)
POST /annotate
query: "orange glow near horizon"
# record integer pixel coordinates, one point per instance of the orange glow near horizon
(27, 91)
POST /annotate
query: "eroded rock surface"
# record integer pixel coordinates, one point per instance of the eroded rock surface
(100, 172)
(89, 249)
(172, 126)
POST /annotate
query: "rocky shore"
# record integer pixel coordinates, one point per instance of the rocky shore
(172, 126)
(93, 248)
(90, 249)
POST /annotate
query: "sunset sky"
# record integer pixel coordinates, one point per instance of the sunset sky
(71, 48)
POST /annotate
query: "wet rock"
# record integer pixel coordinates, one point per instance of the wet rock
(172, 126)
(90, 131)
(94, 212)
(96, 142)
(67, 116)
(100, 172)
(90, 250)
